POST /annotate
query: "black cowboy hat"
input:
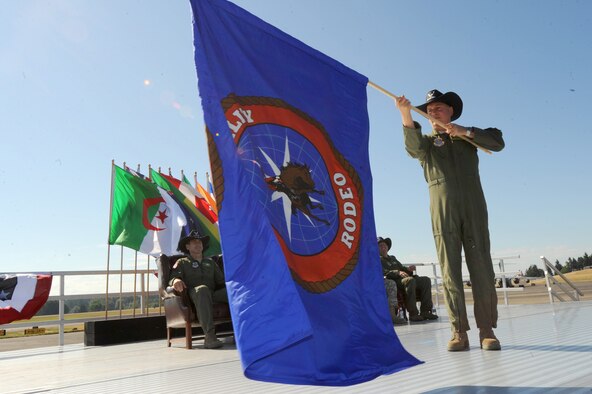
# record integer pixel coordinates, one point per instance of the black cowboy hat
(449, 98)
(387, 241)
(194, 234)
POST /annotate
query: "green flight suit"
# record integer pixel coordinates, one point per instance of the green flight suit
(416, 287)
(204, 281)
(459, 218)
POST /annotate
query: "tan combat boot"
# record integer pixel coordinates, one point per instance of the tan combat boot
(459, 342)
(488, 339)
(211, 341)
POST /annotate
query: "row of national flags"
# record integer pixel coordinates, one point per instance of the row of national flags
(150, 215)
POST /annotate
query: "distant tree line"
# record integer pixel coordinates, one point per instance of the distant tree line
(96, 304)
(570, 265)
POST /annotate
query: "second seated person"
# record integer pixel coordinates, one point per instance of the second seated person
(414, 286)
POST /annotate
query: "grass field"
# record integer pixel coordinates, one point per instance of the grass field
(74, 327)
(576, 276)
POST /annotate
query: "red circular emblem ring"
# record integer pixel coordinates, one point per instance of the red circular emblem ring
(325, 270)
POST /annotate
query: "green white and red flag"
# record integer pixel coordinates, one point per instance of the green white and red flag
(144, 217)
(206, 219)
(191, 194)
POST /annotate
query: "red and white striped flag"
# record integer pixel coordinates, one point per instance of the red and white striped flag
(22, 296)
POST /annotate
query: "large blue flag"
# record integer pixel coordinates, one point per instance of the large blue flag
(287, 128)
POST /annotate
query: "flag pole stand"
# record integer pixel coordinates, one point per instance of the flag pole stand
(108, 237)
(147, 302)
(415, 109)
(135, 282)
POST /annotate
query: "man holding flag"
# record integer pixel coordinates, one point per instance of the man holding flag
(287, 130)
(458, 210)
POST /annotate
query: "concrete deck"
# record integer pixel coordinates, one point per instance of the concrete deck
(546, 349)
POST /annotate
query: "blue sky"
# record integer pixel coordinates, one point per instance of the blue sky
(73, 97)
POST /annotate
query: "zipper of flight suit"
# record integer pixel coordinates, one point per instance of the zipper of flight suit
(458, 173)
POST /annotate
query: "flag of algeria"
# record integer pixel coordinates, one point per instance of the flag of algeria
(144, 217)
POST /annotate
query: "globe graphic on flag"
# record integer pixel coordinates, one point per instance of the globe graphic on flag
(267, 148)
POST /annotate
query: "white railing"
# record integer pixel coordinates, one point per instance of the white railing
(501, 274)
(574, 294)
(145, 292)
(61, 321)
(434, 277)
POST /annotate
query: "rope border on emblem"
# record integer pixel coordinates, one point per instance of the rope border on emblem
(218, 180)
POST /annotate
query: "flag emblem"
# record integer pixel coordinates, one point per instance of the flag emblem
(310, 192)
(149, 202)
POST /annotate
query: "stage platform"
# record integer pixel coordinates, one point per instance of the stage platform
(545, 349)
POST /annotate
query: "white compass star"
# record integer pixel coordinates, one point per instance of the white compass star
(277, 195)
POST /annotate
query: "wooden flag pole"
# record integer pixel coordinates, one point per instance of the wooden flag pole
(419, 111)
(135, 281)
(147, 285)
(108, 237)
(120, 281)
(138, 168)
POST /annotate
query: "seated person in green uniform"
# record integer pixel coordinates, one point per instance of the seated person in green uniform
(414, 286)
(203, 280)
